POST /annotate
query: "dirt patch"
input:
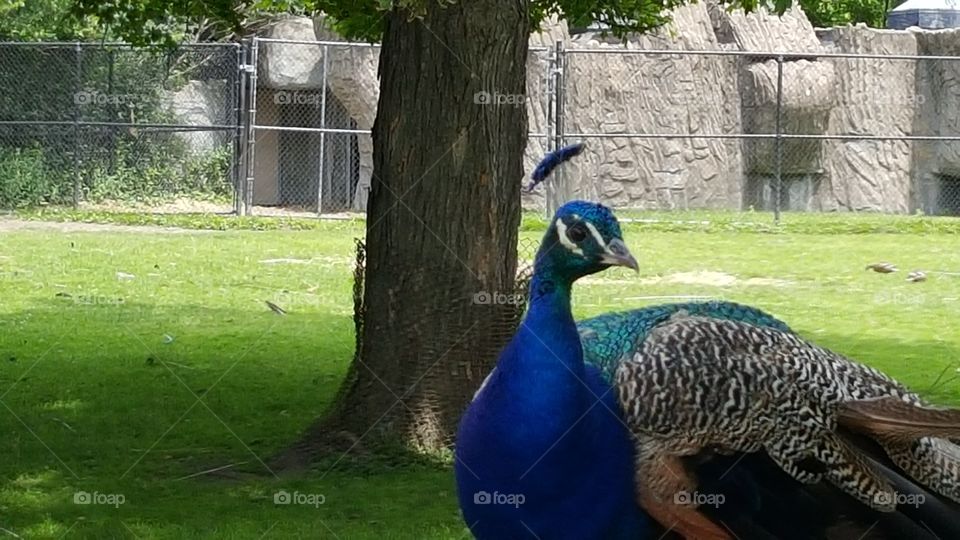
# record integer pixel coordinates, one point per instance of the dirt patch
(702, 277)
(176, 206)
(191, 206)
(322, 260)
(11, 225)
(767, 282)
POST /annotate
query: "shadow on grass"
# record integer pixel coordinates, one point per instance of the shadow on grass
(103, 400)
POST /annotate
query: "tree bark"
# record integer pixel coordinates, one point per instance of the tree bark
(442, 220)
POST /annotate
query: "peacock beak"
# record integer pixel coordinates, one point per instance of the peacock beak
(617, 254)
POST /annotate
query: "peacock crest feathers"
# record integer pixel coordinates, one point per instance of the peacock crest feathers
(553, 160)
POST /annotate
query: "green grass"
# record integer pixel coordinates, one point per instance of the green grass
(94, 398)
(644, 221)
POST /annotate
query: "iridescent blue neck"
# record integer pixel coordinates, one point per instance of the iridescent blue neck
(546, 288)
(550, 284)
(548, 328)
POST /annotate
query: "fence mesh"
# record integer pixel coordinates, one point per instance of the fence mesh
(315, 106)
(283, 127)
(117, 126)
(679, 130)
(502, 327)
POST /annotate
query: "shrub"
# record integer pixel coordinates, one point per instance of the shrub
(26, 181)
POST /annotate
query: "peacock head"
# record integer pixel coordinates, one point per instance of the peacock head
(584, 238)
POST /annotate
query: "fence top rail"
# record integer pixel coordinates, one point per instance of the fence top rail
(113, 44)
(537, 48)
(318, 42)
(339, 131)
(769, 55)
(268, 127)
(751, 136)
(91, 123)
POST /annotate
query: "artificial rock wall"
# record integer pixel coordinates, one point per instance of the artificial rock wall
(620, 95)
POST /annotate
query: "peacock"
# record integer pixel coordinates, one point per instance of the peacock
(542, 451)
(735, 426)
(744, 430)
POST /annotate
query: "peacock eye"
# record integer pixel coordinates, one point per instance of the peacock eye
(577, 232)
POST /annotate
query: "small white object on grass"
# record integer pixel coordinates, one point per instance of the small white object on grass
(916, 276)
(123, 276)
(286, 261)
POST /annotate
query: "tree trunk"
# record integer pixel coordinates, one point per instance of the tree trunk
(442, 220)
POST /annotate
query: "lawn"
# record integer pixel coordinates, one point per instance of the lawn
(131, 359)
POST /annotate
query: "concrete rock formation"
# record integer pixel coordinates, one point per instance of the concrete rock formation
(621, 94)
(631, 102)
(290, 66)
(875, 97)
(201, 103)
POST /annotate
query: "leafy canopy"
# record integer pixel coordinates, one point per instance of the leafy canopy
(163, 21)
(43, 20)
(840, 12)
(158, 21)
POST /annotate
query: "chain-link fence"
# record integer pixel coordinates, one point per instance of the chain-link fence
(111, 125)
(314, 103)
(314, 107)
(283, 127)
(760, 130)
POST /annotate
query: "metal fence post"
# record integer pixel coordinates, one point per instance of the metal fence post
(554, 197)
(549, 115)
(778, 179)
(78, 87)
(323, 127)
(238, 101)
(251, 69)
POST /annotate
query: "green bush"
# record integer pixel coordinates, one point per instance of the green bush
(30, 177)
(161, 176)
(25, 180)
(123, 164)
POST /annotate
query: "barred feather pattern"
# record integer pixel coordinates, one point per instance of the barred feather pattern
(932, 461)
(609, 338)
(700, 382)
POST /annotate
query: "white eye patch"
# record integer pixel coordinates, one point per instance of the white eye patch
(573, 247)
(564, 241)
(597, 236)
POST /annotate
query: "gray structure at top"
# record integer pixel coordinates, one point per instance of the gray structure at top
(928, 14)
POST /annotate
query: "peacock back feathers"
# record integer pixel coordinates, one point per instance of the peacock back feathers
(701, 386)
(607, 339)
